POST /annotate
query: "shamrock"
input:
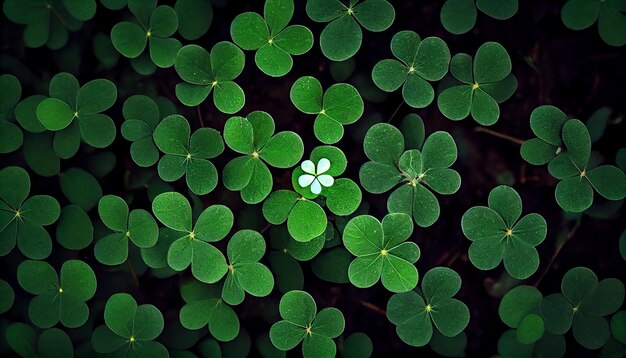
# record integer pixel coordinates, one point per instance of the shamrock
(187, 154)
(315, 177)
(480, 85)
(414, 313)
(582, 305)
(497, 234)
(415, 170)
(203, 72)
(546, 122)
(581, 14)
(254, 137)
(420, 61)
(382, 252)
(520, 308)
(47, 22)
(459, 16)
(575, 190)
(129, 329)
(153, 26)
(74, 112)
(342, 37)
(21, 219)
(57, 300)
(340, 105)
(11, 137)
(271, 38)
(192, 247)
(52, 342)
(301, 322)
(141, 116)
(137, 226)
(245, 273)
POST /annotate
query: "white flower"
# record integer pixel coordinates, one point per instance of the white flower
(316, 178)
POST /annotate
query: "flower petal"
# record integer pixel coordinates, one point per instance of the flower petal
(326, 180)
(308, 167)
(322, 166)
(305, 180)
(316, 188)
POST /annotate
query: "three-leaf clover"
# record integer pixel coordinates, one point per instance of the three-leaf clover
(141, 116)
(546, 122)
(203, 72)
(414, 313)
(314, 175)
(11, 137)
(21, 219)
(342, 37)
(57, 299)
(74, 112)
(271, 38)
(582, 305)
(340, 105)
(420, 61)
(382, 252)
(459, 16)
(481, 84)
(205, 308)
(137, 226)
(498, 234)
(302, 323)
(413, 173)
(129, 329)
(245, 273)
(24, 341)
(188, 154)
(581, 14)
(153, 27)
(193, 245)
(520, 308)
(575, 190)
(254, 137)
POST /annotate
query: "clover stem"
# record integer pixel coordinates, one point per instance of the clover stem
(199, 116)
(396, 111)
(499, 135)
(559, 247)
(133, 273)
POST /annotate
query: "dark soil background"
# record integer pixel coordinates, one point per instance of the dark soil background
(573, 70)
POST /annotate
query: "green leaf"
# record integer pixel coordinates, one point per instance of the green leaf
(501, 10)
(306, 221)
(96, 96)
(306, 94)
(341, 39)
(507, 203)
(249, 31)
(455, 102)
(55, 114)
(574, 194)
(80, 188)
(297, 307)
(344, 197)
(518, 303)
(491, 63)
(547, 122)
(239, 136)
(198, 15)
(283, 150)
(7, 296)
(113, 211)
(383, 143)
(214, 223)
(129, 39)
(608, 181)
(173, 210)
(578, 143)
(458, 16)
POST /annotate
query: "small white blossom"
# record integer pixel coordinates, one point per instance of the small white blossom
(316, 177)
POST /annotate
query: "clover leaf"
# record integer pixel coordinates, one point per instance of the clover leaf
(546, 122)
(420, 61)
(7, 296)
(550, 345)
(340, 105)
(74, 230)
(129, 329)
(137, 226)
(520, 308)
(57, 299)
(205, 308)
(413, 173)
(254, 137)
(302, 323)
(245, 273)
(302, 251)
(382, 252)
(203, 72)
(74, 112)
(271, 38)
(11, 137)
(414, 314)
(498, 234)
(187, 154)
(52, 342)
(618, 326)
(21, 219)
(193, 245)
(142, 116)
(47, 22)
(357, 345)
(581, 14)
(459, 16)
(153, 27)
(196, 16)
(574, 192)
(342, 37)
(480, 85)
(80, 188)
(582, 305)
